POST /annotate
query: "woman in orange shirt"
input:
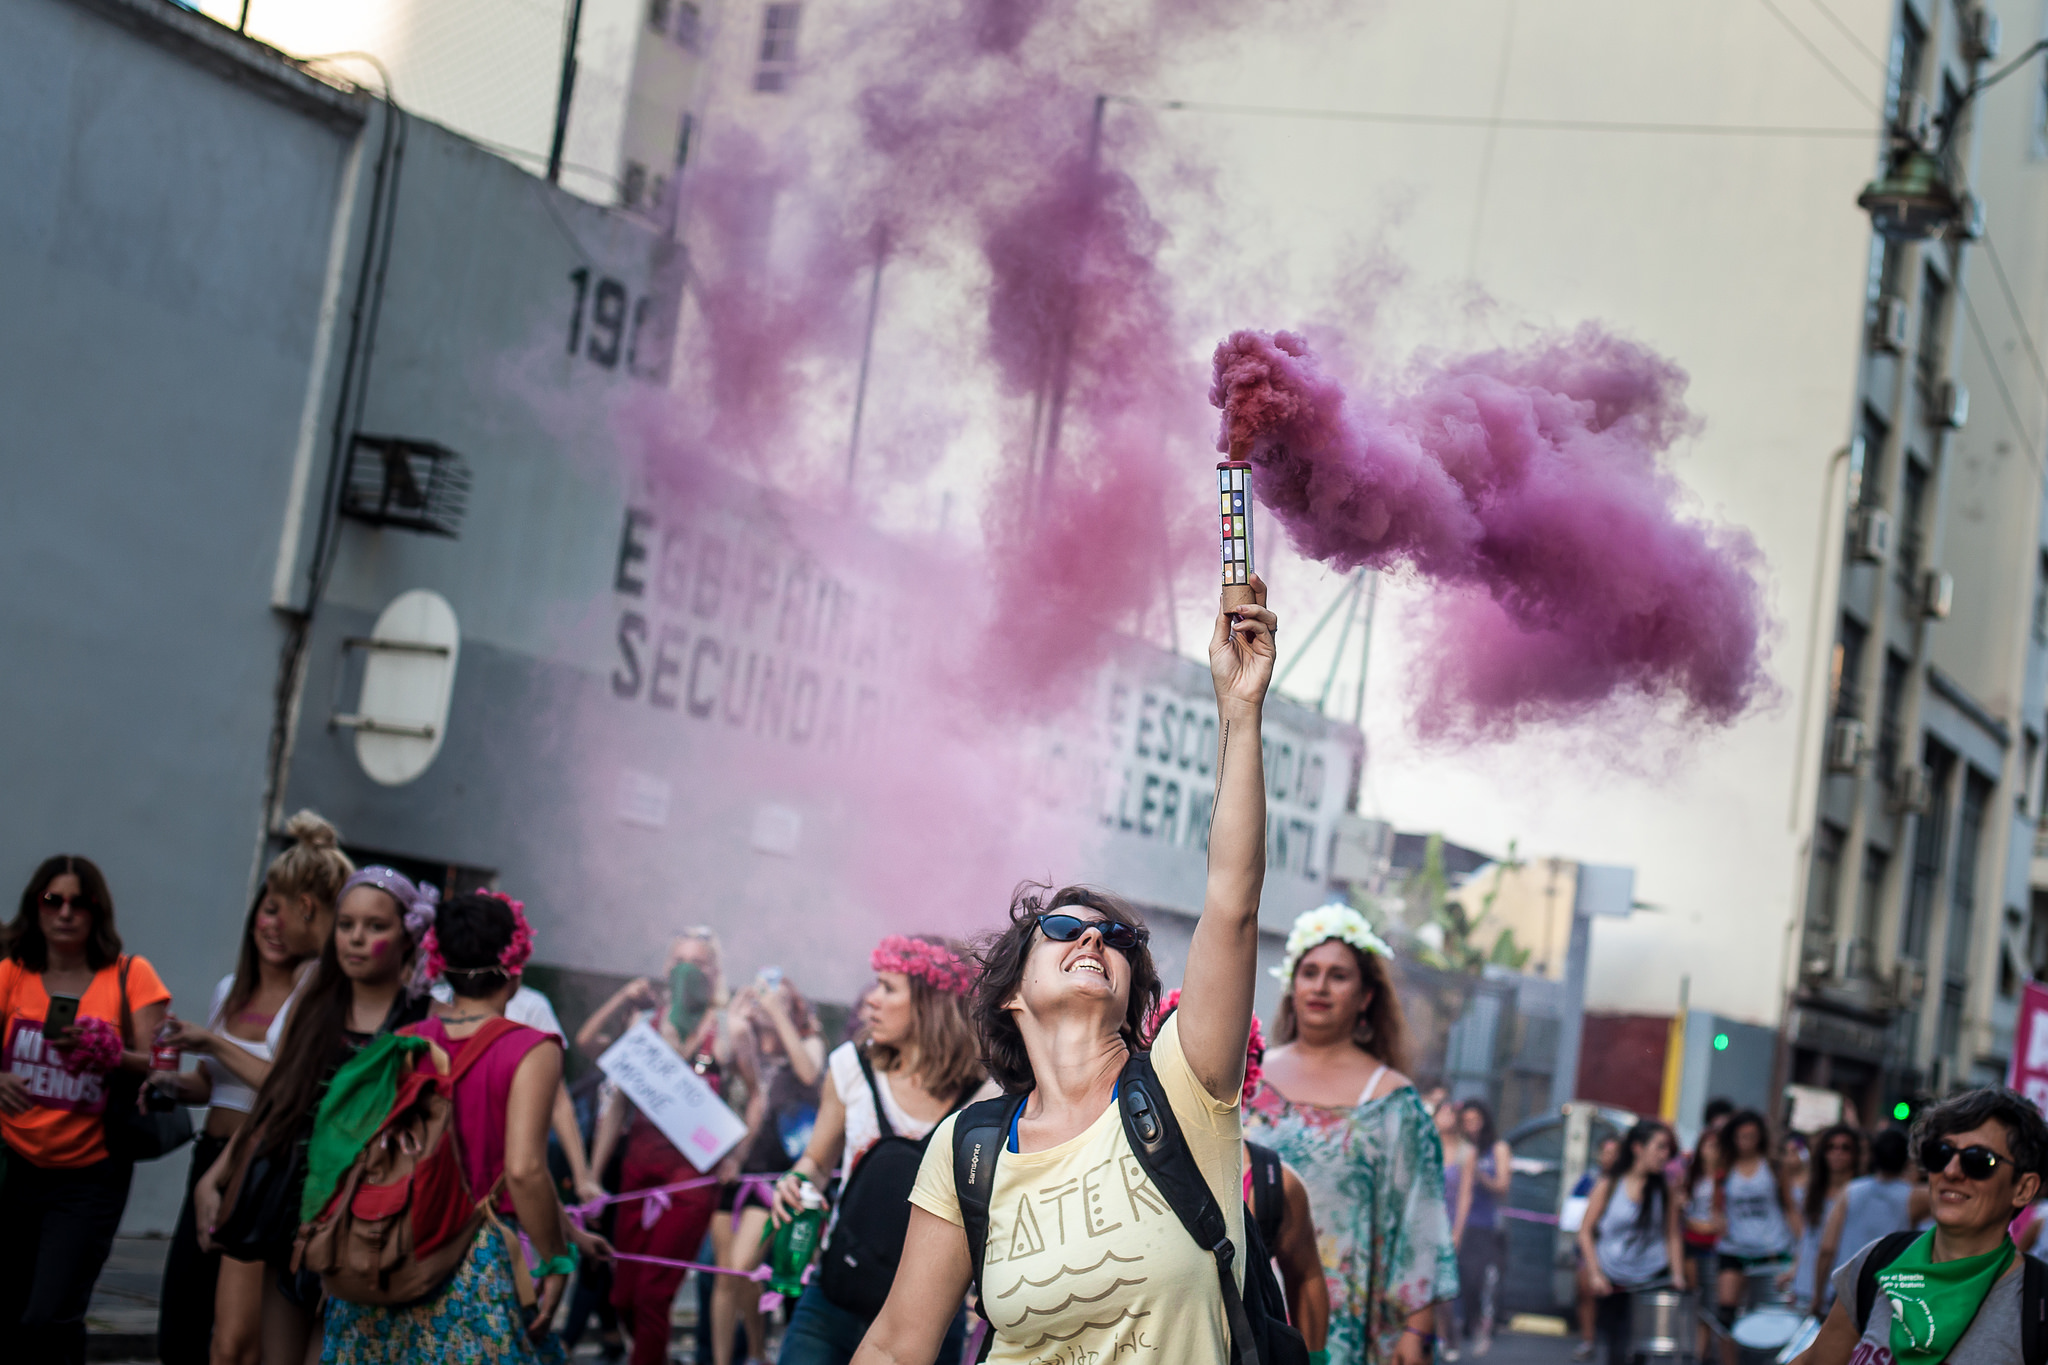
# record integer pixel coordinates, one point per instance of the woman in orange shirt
(63, 1193)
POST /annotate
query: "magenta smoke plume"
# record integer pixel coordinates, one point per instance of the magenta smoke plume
(1528, 486)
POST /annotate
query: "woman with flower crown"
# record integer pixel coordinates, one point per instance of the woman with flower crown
(504, 1102)
(1338, 1109)
(916, 1057)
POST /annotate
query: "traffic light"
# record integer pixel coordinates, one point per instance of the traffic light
(1903, 1111)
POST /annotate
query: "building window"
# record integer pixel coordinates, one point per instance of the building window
(1930, 838)
(1927, 359)
(778, 47)
(1963, 890)
(1909, 50)
(1949, 1029)
(1848, 668)
(2041, 602)
(1896, 669)
(1822, 886)
(657, 15)
(689, 29)
(1912, 506)
(1869, 896)
(1866, 464)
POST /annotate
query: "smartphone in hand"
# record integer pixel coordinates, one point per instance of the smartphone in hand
(62, 1014)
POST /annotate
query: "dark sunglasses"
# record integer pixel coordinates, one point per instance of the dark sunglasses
(1978, 1162)
(1067, 928)
(54, 900)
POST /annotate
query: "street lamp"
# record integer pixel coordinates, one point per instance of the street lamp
(1913, 200)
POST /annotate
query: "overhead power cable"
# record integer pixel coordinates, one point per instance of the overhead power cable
(1862, 95)
(1553, 125)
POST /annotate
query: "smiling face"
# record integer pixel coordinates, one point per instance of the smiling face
(1084, 974)
(66, 923)
(272, 932)
(1329, 991)
(369, 936)
(1964, 1206)
(889, 1009)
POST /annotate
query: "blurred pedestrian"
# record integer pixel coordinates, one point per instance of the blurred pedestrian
(1873, 1206)
(1581, 1196)
(1458, 1182)
(66, 989)
(1630, 1239)
(1954, 1292)
(1483, 1251)
(1336, 1107)
(207, 1309)
(1762, 1221)
(913, 1060)
(672, 1225)
(777, 1049)
(369, 980)
(504, 1101)
(1837, 1161)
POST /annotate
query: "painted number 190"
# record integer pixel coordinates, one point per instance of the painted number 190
(598, 323)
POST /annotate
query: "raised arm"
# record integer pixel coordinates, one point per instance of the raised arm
(1216, 994)
(598, 1032)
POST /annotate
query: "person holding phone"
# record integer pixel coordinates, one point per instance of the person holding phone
(60, 1038)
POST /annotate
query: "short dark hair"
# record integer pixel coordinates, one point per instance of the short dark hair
(1888, 1151)
(1002, 957)
(1716, 1108)
(2025, 1131)
(24, 940)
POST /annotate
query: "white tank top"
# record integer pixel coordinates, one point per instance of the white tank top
(228, 1090)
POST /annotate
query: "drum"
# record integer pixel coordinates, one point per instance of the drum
(1661, 1325)
(1762, 1334)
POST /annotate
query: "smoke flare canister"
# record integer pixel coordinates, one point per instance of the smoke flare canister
(1234, 483)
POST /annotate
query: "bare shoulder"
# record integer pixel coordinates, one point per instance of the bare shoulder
(1388, 1084)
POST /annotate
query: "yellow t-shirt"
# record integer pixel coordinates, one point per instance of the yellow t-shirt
(1086, 1262)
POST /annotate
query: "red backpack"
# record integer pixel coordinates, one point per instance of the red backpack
(403, 1216)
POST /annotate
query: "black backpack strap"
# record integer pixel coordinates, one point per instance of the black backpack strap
(1156, 1140)
(1887, 1249)
(881, 1111)
(2033, 1310)
(979, 1136)
(1268, 1195)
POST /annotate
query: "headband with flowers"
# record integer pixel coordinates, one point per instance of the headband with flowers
(1332, 921)
(939, 966)
(1254, 1046)
(416, 904)
(512, 960)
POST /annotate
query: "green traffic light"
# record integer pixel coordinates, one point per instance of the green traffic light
(1902, 1111)
(1720, 1042)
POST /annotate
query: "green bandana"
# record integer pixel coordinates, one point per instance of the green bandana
(355, 1106)
(689, 996)
(1934, 1302)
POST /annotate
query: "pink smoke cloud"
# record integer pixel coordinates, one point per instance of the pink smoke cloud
(1527, 487)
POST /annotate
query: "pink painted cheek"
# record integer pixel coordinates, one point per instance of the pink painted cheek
(378, 946)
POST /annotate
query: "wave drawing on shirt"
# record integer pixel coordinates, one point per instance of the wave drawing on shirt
(1109, 1196)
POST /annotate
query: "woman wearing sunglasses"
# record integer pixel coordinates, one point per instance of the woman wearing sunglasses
(1959, 1283)
(1084, 1259)
(61, 1011)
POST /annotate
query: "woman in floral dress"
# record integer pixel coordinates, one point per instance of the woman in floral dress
(1337, 1108)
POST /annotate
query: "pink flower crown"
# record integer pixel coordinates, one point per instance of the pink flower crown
(937, 965)
(513, 959)
(1254, 1046)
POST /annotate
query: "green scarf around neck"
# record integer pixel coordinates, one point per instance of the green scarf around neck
(1934, 1302)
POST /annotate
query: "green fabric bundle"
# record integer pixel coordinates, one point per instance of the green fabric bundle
(356, 1104)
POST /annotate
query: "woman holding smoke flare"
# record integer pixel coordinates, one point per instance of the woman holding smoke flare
(913, 1061)
(1337, 1108)
(1083, 1256)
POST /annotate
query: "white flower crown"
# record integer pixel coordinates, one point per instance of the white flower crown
(1324, 923)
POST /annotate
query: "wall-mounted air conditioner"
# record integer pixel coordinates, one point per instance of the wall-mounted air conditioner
(1845, 745)
(1909, 978)
(1983, 35)
(1874, 535)
(1915, 121)
(1890, 332)
(1952, 403)
(1968, 224)
(1912, 789)
(1937, 594)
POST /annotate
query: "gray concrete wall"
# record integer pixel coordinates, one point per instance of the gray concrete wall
(164, 235)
